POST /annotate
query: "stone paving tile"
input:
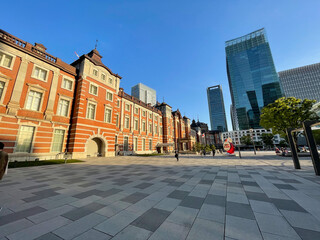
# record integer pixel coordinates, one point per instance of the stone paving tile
(14, 227)
(49, 236)
(264, 207)
(215, 200)
(80, 226)
(20, 215)
(132, 233)
(168, 204)
(275, 225)
(192, 202)
(307, 234)
(212, 213)
(39, 229)
(92, 235)
(34, 187)
(178, 194)
(170, 230)
(239, 210)
(287, 205)
(204, 229)
(242, 229)
(183, 216)
(151, 219)
(302, 220)
(116, 223)
(78, 213)
(44, 216)
(143, 185)
(135, 197)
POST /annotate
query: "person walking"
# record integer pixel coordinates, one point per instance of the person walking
(213, 152)
(177, 155)
(3, 163)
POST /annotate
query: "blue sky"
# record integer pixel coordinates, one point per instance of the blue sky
(173, 46)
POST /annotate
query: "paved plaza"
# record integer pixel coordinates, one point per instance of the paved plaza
(152, 198)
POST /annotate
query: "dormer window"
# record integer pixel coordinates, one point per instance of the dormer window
(110, 81)
(95, 72)
(103, 77)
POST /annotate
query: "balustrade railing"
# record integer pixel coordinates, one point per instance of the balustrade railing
(10, 38)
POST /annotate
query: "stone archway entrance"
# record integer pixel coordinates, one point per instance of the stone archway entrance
(95, 147)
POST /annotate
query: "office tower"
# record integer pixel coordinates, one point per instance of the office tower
(216, 109)
(302, 82)
(252, 76)
(144, 93)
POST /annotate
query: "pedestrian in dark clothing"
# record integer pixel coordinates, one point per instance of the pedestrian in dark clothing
(204, 152)
(213, 152)
(177, 155)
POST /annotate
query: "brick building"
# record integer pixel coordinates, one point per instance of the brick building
(48, 107)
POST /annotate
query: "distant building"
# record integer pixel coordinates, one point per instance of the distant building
(252, 76)
(217, 112)
(302, 82)
(255, 134)
(144, 93)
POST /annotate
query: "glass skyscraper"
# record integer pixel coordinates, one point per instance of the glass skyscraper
(302, 82)
(216, 109)
(252, 76)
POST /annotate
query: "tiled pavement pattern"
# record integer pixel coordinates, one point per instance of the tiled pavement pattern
(152, 198)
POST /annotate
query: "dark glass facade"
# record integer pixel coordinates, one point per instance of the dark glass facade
(252, 76)
(216, 109)
(302, 82)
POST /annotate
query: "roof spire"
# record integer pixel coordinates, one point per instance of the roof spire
(96, 45)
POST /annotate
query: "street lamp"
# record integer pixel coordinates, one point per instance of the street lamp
(254, 146)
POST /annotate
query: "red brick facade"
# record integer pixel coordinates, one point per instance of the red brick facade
(48, 106)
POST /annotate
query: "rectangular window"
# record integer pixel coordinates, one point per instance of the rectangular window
(103, 77)
(143, 144)
(110, 81)
(91, 111)
(25, 137)
(33, 100)
(117, 120)
(118, 103)
(5, 60)
(63, 108)
(57, 140)
(67, 84)
(93, 89)
(125, 143)
(160, 132)
(150, 144)
(95, 72)
(144, 113)
(150, 115)
(136, 110)
(1, 88)
(150, 128)
(40, 73)
(136, 124)
(107, 115)
(109, 96)
(127, 107)
(116, 139)
(135, 145)
(126, 122)
(143, 126)
(156, 129)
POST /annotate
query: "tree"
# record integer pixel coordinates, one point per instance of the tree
(267, 139)
(246, 140)
(207, 148)
(287, 113)
(283, 143)
(198, 147)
